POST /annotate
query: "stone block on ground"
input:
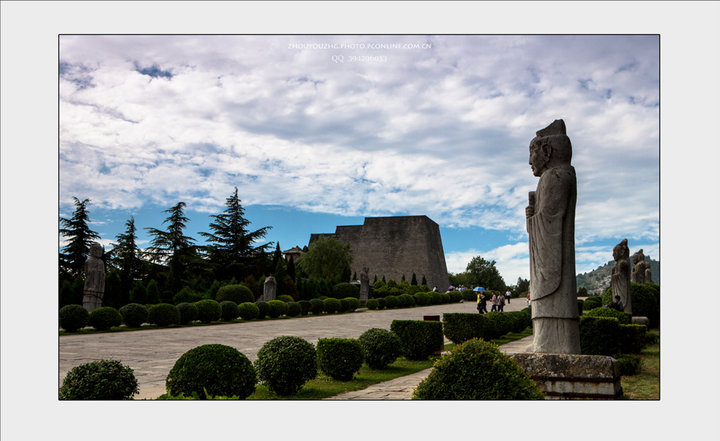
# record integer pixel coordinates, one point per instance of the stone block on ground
(640, 320)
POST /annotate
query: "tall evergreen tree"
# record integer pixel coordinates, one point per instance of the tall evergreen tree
(79, 237)
(232, 250)
(125, 256)
(277, 255)
(172, 247)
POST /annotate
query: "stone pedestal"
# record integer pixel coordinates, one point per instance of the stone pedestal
(572, 376)
(640, 320)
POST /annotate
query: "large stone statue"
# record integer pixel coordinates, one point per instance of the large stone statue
(269, 289)
(364, 285)
(620, 277)
(94, 288)
(550, 218)
(641, 269)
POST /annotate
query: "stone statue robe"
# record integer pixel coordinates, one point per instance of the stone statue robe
(94, 288)
(269, 289)
(364, 285)
(551, 232)
(620, 281)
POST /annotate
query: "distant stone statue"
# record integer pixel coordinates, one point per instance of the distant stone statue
(641, 269)
(94, 288)
(620, 277)
(270, 289)
(550, 218)
(364, 284)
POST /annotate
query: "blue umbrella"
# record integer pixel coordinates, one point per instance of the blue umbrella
(479, 288)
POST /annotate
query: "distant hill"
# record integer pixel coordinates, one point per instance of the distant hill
(598, 280)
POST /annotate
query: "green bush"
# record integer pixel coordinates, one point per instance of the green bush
(331, 305)
(580, 306)
(382, 304)
(477, 370)
(629, 364)
(286, 363)
(352, 303)
(186, 295)
(163, 314)
(316, 306)
(248, 310)
(632, 338)
(344, 305)
(407, 300)
(644, 301)
(263, 309)
(372, 304)
(342, 290)
(104, 318)
(499, 324)
(188, 312)
(622, 317)
(435, 298)
(294, 309)
(285, 298)
(73, 317)
(229, 310)
(99, 380)
(134, 315)
(520, 320)
(392, 302)
(419, 339)
(209, 310)
(599, 335)
(445, 298)
(461, 327)
(455, 297)
(422, 299)
(238, 293)
(340, 358)
(276, 308)
(380, 347)
(212, 370)
(592, 303)
(304, 307)
(469, 295)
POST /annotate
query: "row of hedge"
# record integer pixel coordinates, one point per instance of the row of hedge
(412, 300)
(460, 327)
(644, 301)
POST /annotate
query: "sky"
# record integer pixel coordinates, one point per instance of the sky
(317, 131)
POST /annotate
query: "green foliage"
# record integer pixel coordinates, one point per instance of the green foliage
(99, 380)
(469, 295)
(134, 315)
(352, 304)
(372, 304)
(316, 306)
(632, 338)
(331, 305)
(237, 293)
(477, 370)
(343, 290)
(623, 317)
(481, 272)
(629, 364)
(248, 310)
(294, 309)
(285, 298)
(78, 239)
(186, 295)
(340, 358)
(304, 307)
(326, 258)
(381, 303)
(592, 303)
(71, 292)
(419, 339)
(445, 298)
(455, 297)
(380, 347)
(644, 300)
(263, 309)
(188, 312)
(73, 317)
(422, 299)
(276, 308)
(208, 310)
(407, 301)
(435, 298)
(163, 314)
(152, 292)
(212, 369)
(392, 302)
(104, 318)
(599, 335)
(138, 293)
(461, 327)
(228, 310)
(285, 363)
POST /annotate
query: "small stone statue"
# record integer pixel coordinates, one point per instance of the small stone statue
(94, 288)
(550, 218)
(364, 285)
(641, 269)
(269, 289)
(620, 277)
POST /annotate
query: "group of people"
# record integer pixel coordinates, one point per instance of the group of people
(497, 302)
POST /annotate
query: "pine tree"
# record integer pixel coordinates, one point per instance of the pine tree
(276, 256)
(413, 281)
(125, 256)
(79, 237)
(172, 247)
(424, 281)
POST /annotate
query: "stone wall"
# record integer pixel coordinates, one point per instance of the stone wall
(396, 246)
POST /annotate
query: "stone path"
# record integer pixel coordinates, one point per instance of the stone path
(152, 353)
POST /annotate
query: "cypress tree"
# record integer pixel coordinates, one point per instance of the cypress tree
(79, 237)
(413, 281)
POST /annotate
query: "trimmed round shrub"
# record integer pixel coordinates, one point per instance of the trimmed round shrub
(407, 301)
(344, 305)
(644, 300)
(419, 339)
(382, 304)
(380, 347)
(99, 380)
(134, 315)
(294, 309)
(163, 314)
(276, 308)
(238, 293)
(372, 304)
(248, 310)
(212, 370)
(188, 312)
(263, 309)
(629, 364)
(209, 310)
(285, 363)
(599, 335)
(316, 306)
(304, 307)
(392, 302)
(331, 305)
(435, 298)
(592, 303)
(186, 295)
(455, 376)
(285, 298)
(353, 303)
(469, 295)
(340, 358)
(445, 298)
(622, 317)
(228, 310)
(455, 297)
(342, 290)
(73, 317)
(422, 299)
(105, 318)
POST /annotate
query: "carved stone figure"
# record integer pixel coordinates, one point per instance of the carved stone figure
(94, 288)
(620, 277)
(641, 269)
(269, 289)
(364, 284)
(550, 218)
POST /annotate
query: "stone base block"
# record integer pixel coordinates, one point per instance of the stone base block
(572, 376)
(640, 320)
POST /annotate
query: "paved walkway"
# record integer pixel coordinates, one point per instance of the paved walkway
(152, 353)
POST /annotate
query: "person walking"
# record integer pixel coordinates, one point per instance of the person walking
(493, 300)
(501, 302)
(507, 296)
(527, 299)
(481, 303)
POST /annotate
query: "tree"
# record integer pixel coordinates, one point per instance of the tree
(522, 285)
(125, 256)
(327, 258)
(413, 281)
(483, 273)
(79, 237)
(172, 247)
(231, 249)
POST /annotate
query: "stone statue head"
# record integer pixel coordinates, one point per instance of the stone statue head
(621, 250)
(638, 257)
(96, 250)
(550, 147)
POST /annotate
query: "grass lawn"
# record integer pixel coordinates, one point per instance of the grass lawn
(645, 385)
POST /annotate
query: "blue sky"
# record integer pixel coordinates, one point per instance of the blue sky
(323, 130)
